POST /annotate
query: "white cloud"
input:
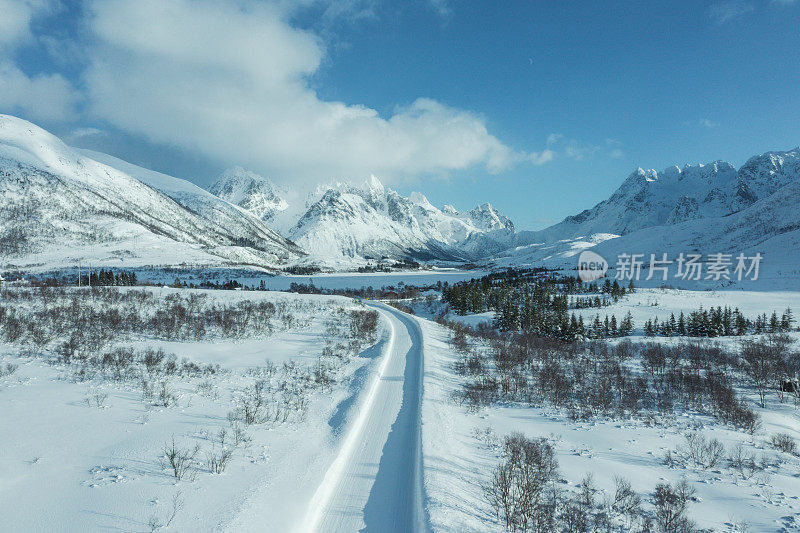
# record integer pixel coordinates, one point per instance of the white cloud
(79, 133)
(232, 80)
(45, 97)
(442, 7)
(15, 19)
(41, 97)
(579, 150)
(727, 10)
(540, 158)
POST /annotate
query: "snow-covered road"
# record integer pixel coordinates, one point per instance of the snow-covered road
(375, 481)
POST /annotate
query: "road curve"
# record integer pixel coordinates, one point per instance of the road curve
(375, 481)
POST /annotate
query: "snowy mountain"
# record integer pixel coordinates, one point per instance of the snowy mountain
(60, 206)
(251, 192)
(703, 209)
(341, 225)
(372, 222)
(648, 198)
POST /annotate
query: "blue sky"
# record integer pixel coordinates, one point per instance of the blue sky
(541, 108)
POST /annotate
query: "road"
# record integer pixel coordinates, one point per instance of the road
(375, 481)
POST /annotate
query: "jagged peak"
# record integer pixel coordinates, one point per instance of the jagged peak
(641, 174)
(374, 184)
(420, 199)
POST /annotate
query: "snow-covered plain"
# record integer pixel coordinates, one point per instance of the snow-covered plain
(86, 456)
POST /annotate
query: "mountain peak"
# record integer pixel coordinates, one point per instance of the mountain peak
(249, 191)
(374, 184)
(420, 199)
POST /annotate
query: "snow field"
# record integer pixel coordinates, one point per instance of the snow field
(88, 455)
(462, 447)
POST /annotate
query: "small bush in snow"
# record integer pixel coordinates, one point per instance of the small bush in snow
(179, 461)
(784, 443)
(155, 522)
(518, 491)
(217, 461)
(743, 462)
(671, 503)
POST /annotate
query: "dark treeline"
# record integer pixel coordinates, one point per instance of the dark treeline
(538, 301)
(389, 292)
(719, 321)
(302, 270)
(108, 278)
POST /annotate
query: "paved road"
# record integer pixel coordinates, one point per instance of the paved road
(375, 482)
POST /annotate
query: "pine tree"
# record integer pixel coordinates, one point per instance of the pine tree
(786, 320)
(626, 327)
(773, 322)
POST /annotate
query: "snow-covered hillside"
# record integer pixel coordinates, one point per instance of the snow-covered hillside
(60, 206)
(341, 225)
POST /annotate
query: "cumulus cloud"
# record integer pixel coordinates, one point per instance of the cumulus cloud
(232, 79)
(44, 97)
(40, 97)
(16, 19)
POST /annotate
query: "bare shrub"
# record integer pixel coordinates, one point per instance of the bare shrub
(743, 462)
(217, 461)
(165, 397)
(518, 489)
(704, 453)
(8, 369)
(364, 325)
(240, 436)
(155, 522)
(762, 360)
(179, 461)
(784, 443)
(626, 501)
(97, 399)
(671, 503)
(207, 389)
(251, 404)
